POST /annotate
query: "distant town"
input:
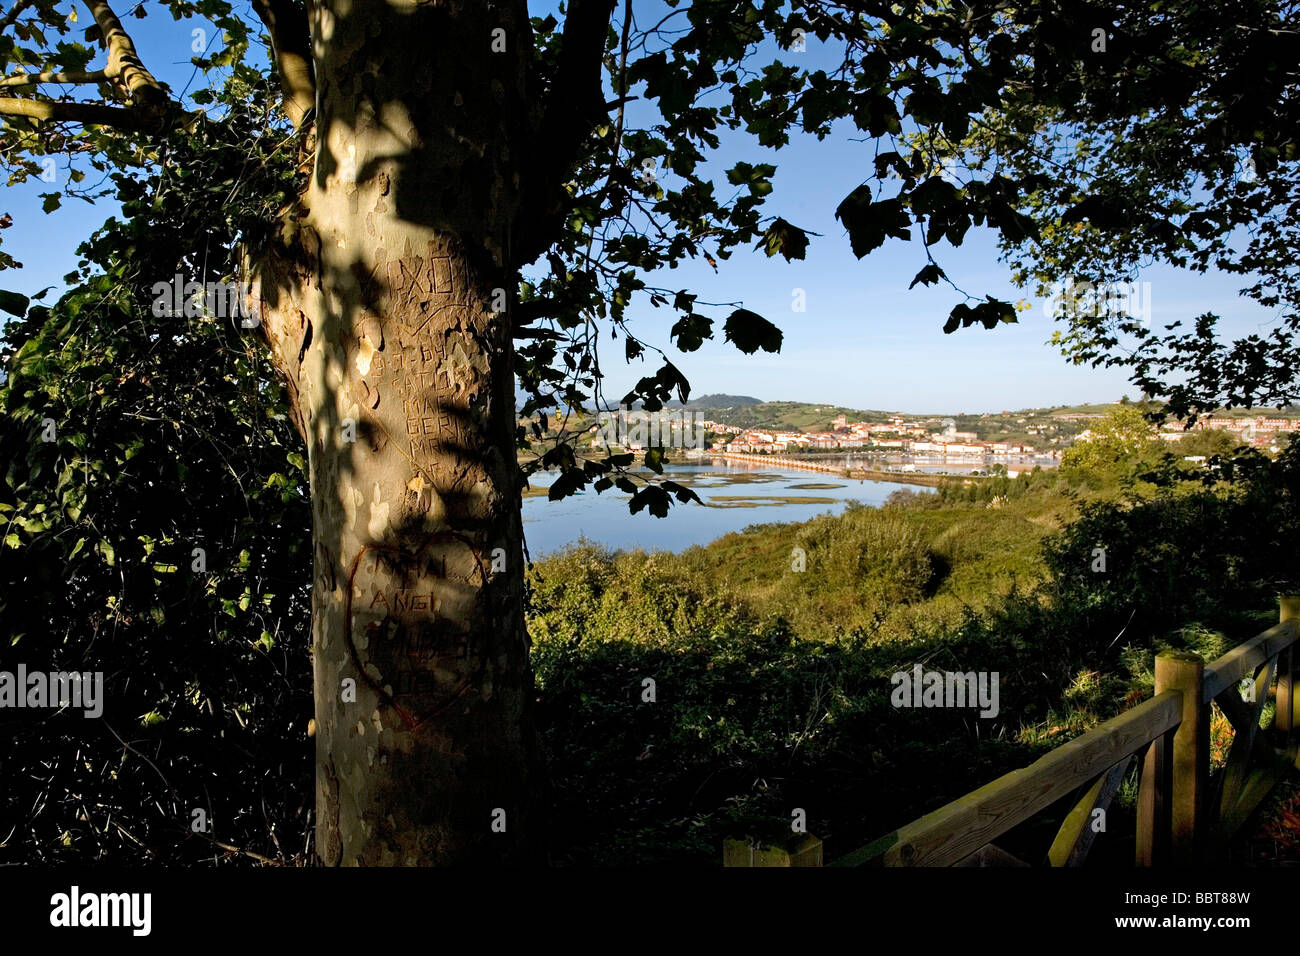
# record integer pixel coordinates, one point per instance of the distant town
(739, 425)
(898, 434)
(919, 439)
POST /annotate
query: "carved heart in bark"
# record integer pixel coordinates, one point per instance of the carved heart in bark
(404, 617)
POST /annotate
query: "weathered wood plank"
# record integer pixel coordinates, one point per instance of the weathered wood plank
(1245, 659)
(1258, 785)
(1184, 672)
(1284, 722)
(1240, 714)
(1076, 836)
(798, 850)
(958, 829)
(965, 828)
(1264, 683)
(1288, 661)
(1152, 841)
(1248, 744)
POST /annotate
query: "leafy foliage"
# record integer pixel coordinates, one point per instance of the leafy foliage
(169, 435)
(1119, 447)
(1144, 134)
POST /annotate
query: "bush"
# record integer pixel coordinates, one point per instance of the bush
(169, 436)
(867, 554)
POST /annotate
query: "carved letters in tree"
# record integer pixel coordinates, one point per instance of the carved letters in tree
(416, 383)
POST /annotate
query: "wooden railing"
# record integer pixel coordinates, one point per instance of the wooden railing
(1182, 815)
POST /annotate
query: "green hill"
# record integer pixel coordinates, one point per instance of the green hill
(788, 416)
(722, 400)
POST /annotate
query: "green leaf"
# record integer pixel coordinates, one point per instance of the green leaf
(683, 493)
(653, 498)
(691, 330)
(785, 239)
(870, 223)
(570, 481)
(928, 276)
(749, 332)
(14, 303)
(989, 314)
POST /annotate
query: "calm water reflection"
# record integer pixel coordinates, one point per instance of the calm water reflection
(550, 525)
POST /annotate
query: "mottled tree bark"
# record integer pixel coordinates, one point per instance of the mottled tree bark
(386, 312)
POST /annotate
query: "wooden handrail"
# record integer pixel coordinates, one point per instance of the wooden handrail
(1172, 727)
(960, 828)
(1243, 660)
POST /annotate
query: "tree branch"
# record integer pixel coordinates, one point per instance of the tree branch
(575, 99)
(123, 62)
(291, 50)
(525, 313)
(150, 107)
(575, 104)
(35, 79)
(90, 114)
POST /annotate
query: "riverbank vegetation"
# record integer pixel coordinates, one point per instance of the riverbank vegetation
(770, 686)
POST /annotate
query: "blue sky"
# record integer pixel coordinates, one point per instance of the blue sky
(864, 341)
(867, 341)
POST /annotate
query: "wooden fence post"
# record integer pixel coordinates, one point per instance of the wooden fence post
(1286, 675)
(1153, 802)
(1189, 774)
(797, 850)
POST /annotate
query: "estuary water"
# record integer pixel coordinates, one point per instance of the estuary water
(735, 495)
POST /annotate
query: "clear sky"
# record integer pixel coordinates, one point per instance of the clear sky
(864, 341)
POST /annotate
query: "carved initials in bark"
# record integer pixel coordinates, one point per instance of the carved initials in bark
(418, 661)
(424, 355)
(421, 289)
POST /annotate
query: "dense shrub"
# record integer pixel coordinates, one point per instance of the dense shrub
(1195, 553)
(169, 434)
(207, 681)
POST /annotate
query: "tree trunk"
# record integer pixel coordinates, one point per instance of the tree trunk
(390, 327)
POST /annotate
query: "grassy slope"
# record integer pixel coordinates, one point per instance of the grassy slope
(979, 553)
